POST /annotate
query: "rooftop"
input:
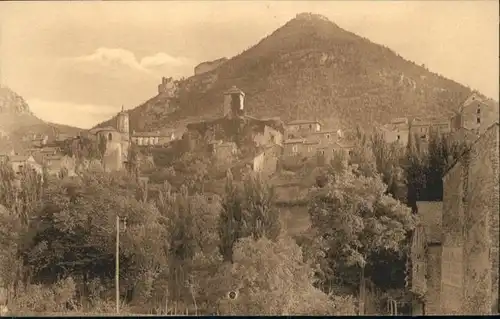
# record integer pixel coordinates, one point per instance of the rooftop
(19, 158)
(234, 90)
(299, 122)
(101, 129)
(294, 141)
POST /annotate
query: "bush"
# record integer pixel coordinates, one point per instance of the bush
(36, 299)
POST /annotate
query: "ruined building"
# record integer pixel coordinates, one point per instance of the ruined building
(167, 87)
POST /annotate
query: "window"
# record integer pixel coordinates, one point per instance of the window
(478, 120)
(294, 149)
(110, 136)
(399, 137)
(478, 110)
(328, 136)
(321, 152)
(423, 136)
(310, 126)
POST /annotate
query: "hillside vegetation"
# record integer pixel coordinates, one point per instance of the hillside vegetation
(311, 69)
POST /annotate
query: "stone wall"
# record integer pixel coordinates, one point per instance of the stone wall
(452, 242)
(268, 137)
(471, 230)
(431, 218)
(433, 304)
(481, 226)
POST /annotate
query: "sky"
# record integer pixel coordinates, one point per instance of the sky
(77, 63)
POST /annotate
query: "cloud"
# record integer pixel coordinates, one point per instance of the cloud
(118, 56)
(163, 59)
(69, 113)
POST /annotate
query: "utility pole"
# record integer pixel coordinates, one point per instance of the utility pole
(117, 258)
(117, 269)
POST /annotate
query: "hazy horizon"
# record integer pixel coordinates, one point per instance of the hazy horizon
(77, 63)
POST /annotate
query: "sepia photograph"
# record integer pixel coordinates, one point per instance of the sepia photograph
(249, 158)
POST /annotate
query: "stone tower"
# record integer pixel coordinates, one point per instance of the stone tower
(234, 104)
(113, 156)
(122, 126)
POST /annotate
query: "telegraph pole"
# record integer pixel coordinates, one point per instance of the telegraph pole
(117, 259)
(117, 269)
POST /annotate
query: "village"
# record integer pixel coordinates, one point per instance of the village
(302, 138)
(470, 186)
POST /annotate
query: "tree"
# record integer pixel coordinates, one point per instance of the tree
(260, 216)
(192, 242)
(73, 233)
(20, 195)
(270, 277)
(247, 210)
(102, 144)
(356, 217)
(230, 218)
(425, 165)
(193, 170)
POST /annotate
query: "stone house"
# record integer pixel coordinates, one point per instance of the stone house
(268, 136)
(326, 153)
(223, 152)
(469, 237)
(39, 154)
(477, 113)
(40, 141)
(264, 162)
(146, 138)
(61, 137)
(56, 163)
(424, 127)
(398, 130)
(293, 147)
(18, 162)
(301, 128)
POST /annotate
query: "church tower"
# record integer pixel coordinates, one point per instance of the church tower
(123, 129)
(234, 100)
(123, 122)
